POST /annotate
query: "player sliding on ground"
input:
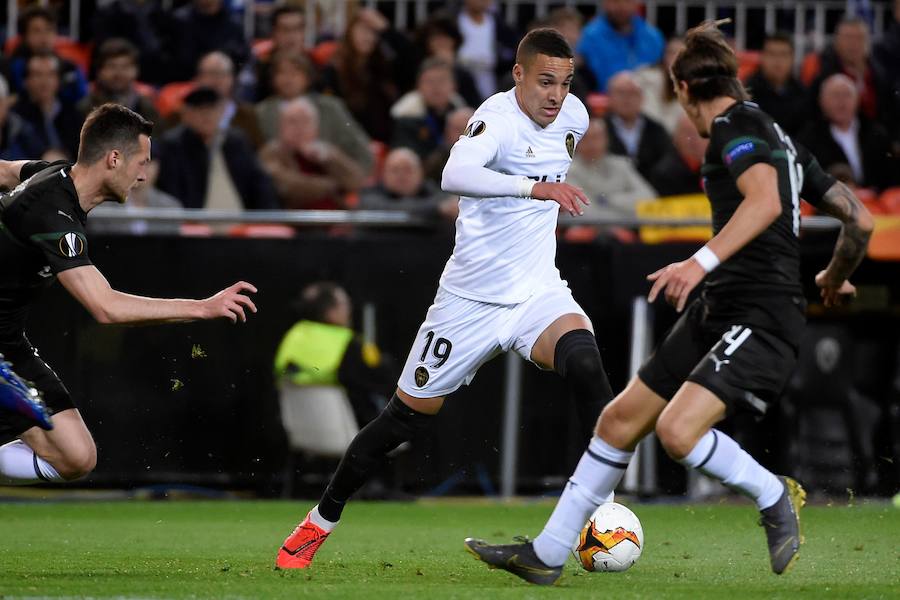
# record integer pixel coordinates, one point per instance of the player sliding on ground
(42, 238)
(500, 290)
(736, 345)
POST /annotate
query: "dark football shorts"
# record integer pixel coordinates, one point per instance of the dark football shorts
(746, 367)
(31, 367)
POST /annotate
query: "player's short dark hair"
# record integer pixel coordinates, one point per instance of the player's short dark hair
(115, 48)
(202, 97)
(543, 40)
(30, 14)
(315, 300)
(780, 37)
(111, 127)
(708, 65)
(287, 9)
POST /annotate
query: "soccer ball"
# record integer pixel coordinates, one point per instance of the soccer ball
(611, 540)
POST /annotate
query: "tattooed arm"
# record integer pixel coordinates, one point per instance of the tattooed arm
(840, 202)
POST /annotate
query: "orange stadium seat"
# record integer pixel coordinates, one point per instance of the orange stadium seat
(323, 52)
(171, 96)
(262, 48)
(76, 52)
(748, 62)
(597, 103)
(890, 200)
(810, 68)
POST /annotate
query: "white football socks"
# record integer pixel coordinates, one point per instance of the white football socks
(720, 457)
(321, 521)
(592, 484)
(19, 465)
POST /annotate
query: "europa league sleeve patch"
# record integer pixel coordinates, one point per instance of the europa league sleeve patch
(71, 245)
(475, 128)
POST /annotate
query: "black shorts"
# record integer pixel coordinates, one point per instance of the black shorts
(30, 367)
(745, 366)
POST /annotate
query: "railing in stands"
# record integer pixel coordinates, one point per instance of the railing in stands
(407, 13)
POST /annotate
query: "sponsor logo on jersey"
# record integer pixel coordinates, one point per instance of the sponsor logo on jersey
(71, 245)
(529, 153)
(570, 144)
(421, 376)
(719, 363)
(475, 128)
(69, 217)
(737, 151)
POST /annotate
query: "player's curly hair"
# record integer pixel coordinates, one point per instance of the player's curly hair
(708, 65)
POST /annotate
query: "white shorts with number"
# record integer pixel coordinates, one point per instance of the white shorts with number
(459, 335)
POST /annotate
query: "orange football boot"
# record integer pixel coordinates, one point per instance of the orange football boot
(299, 548)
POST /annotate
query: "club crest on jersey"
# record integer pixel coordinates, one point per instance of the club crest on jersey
(475, 128)
(71, 245)
(421, 376)
(570, 144)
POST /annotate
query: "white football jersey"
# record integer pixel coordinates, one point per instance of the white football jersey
(506, 246)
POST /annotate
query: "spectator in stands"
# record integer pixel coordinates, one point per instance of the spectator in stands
(404, 187)
(439, 37)
(455, 125)
(288, 37)
(850, 54)
(420, 115)
(308, 171)
(216, 71)
(140, 22)
(57, 122)
(610, 181)
(363, 73)
(116, 65)
(488, 50)
(18, 139)
(322, 349)
(774, 87)
(570, 23)
(846, 137)
(887, 55)
(631, 133)
(660, 103)
(619, 40)
(37, 30)
(206, 167)
(293, 77)
(678, 171)
(199, 28)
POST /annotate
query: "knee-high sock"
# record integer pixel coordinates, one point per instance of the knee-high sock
(720, 457)
(19, 465)
(396, 424)
(596, 476)
(577, 359)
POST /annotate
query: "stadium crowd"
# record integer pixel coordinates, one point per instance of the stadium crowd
(366, 117)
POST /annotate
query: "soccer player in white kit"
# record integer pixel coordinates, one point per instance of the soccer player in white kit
(501, 290)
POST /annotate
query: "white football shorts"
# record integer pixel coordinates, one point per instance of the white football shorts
(459, 335)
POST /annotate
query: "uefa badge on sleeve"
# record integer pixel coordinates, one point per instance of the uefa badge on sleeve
(71, 245)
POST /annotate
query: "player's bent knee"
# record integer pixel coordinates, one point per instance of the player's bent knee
(577, 359)
(615, 428)
(77, 464)
(676, 439)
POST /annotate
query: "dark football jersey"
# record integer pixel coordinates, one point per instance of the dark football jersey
(741, 137)
(41, 234)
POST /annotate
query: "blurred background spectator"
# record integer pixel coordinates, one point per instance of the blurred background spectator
(288, 27)
(362, 72)
(403, 187)
(205, 166)
(774, 87)
(37, 35)
(216, 71)
(678, 171)
(18, 139)
(308, 171)
(439, 37)
(843, 136)
(116, 66)
(887, 55)
(56, 121)
(200, 27)
(420, 115)
(632, 133)
(144, 196)
(455, 125)
(488, 50)
(141, 23)
(293, 76)
(659, 101)
(611, 182)
(619, 40)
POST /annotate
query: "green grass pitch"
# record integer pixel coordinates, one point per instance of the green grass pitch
(388, 550)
